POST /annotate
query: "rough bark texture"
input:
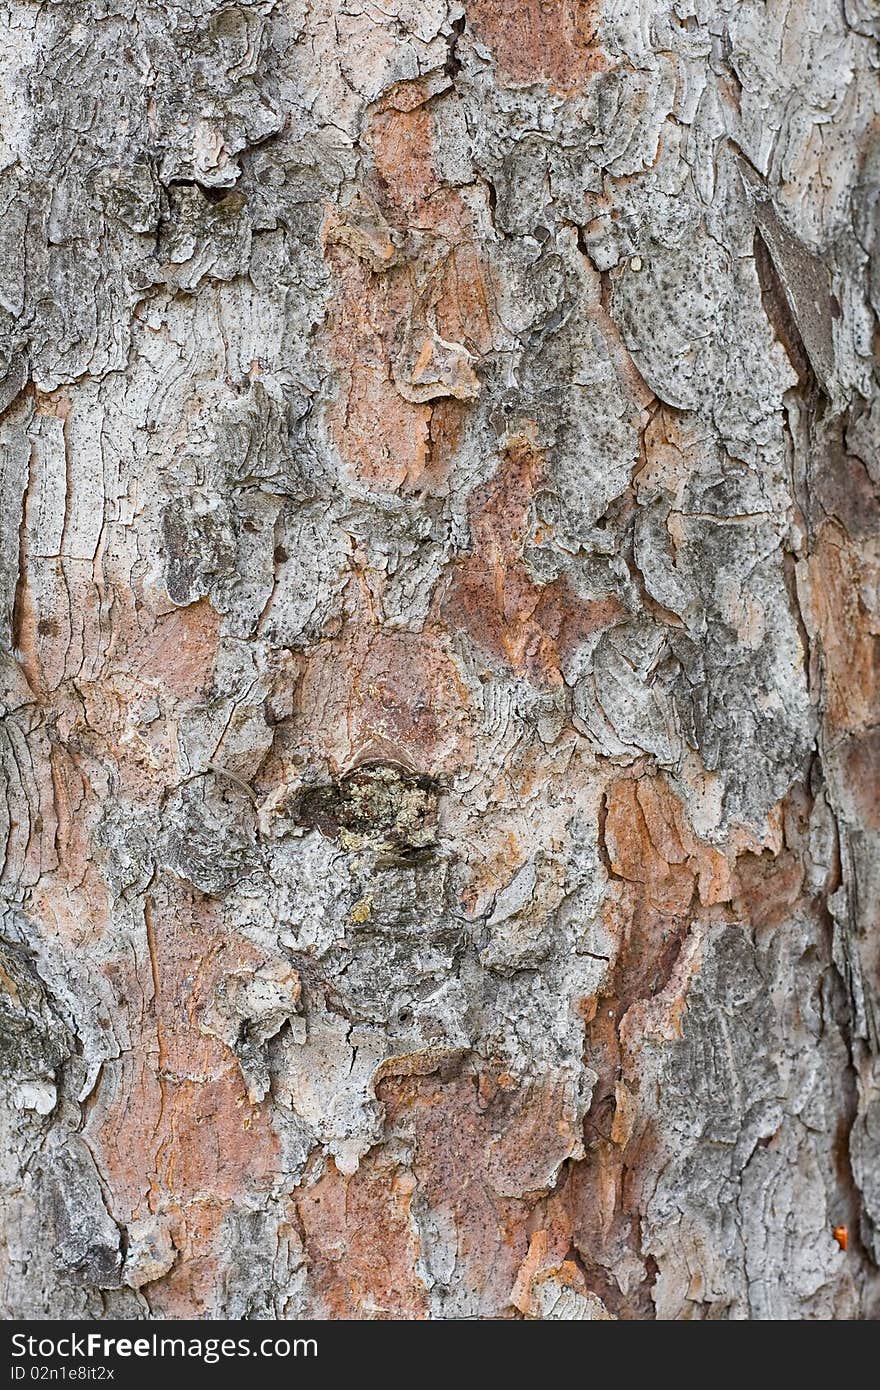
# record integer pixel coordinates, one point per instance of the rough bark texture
(441, 715)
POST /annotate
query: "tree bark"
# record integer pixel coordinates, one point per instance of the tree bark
(440, 621)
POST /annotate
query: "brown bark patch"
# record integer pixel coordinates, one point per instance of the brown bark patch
(485, 1151)
(403, 152)
(843, 599)
(404, 345)
(385, 696)
(383, 437)
(661, 876)
(498, 862)
(531, 628)
(179, 652)
(768, 887)
(650, 843)
(862, 768)
(665, 885)
(170, 1123)
(412, 310)
(550, 41)
(546, 1284)
(361, 1245)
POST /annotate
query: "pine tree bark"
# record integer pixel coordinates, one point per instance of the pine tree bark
(439, 538)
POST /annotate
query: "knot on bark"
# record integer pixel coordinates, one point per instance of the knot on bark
(378, 804)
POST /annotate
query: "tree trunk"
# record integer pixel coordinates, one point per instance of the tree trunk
(440, 615)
